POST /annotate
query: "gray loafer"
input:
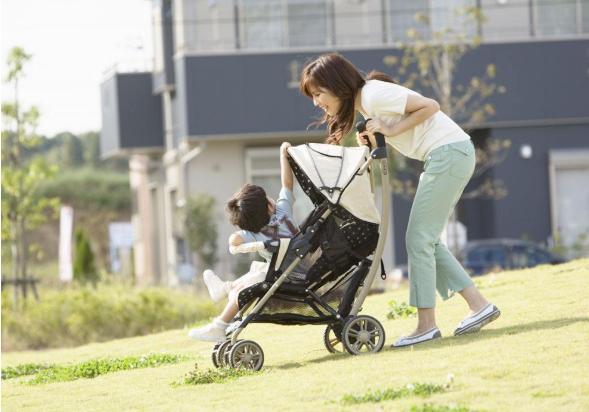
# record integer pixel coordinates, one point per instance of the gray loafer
(414, 340)
(474, 323)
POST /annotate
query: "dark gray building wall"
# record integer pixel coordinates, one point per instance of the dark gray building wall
(525, 211)
(134, 119)
(250, 94)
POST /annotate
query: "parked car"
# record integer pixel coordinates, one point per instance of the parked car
(484, 256)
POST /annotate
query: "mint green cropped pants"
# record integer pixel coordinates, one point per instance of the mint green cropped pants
(447, 170)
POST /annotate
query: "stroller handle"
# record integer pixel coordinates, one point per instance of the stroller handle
(380, 152)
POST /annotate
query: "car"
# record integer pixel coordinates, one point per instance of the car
(489, 255)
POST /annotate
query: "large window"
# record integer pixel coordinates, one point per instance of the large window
(556, 17)
(268, 24)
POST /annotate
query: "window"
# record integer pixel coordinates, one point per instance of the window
(556, 17)
(262, 167)
(262, 24)
(307, 23)
(569, 197)
(402, 15)
(439, 16)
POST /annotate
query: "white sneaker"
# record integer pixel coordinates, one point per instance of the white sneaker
(213, 332)
(431, 334)
(217, 288)
(475, 322)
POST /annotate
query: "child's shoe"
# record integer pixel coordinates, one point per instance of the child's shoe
(213, 332)
(217, 288)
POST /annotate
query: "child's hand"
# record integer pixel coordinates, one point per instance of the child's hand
(283, 149)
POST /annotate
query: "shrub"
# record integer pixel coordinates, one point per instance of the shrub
(80, 315)
(84, 267)
(400, 310)
(220, 375)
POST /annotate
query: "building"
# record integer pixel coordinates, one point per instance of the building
(223, 95)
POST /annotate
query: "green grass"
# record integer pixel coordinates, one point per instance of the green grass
(535, 357)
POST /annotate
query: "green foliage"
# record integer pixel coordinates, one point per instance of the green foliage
(96, 367)
(80, 315)
(201, 228)
(110, 190)
(83, 265)
(25, 369)
(400, 310)
(412, 389)
(430, 407)
(220, 375)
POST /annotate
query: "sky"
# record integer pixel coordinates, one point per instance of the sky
(74, 44)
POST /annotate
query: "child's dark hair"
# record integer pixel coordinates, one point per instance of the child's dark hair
(248, 208)
(338, 75)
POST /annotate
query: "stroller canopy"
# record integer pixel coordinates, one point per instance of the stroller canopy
(333, 170)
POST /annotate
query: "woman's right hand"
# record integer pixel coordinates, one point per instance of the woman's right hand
(363, 138)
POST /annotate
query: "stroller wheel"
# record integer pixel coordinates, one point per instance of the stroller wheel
(218, 354)
(332, 342)
(246, 354)
(224, 355)
(363, 334)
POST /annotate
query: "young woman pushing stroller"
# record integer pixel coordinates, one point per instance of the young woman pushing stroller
(415, 126)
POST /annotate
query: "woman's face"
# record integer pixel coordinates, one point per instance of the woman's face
(326, 100)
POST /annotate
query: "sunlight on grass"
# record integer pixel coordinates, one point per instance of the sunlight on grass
(534, 357)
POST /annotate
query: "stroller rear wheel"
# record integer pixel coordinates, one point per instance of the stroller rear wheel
(363, 334)
(246, 354)
(218, 354)
(332, 341)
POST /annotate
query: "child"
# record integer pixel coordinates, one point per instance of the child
(259, 218)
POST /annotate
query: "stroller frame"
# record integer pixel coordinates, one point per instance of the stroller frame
(232, 351)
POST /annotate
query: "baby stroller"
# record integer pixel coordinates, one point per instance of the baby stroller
(346, 236)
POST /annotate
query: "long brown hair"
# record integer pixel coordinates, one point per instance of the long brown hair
(338, 75)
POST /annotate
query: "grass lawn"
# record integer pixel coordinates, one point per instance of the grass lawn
(535, 357)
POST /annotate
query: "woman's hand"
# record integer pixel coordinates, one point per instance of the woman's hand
(363, 138)
(376, 126)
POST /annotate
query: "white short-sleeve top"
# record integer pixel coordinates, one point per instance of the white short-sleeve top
(386, 101)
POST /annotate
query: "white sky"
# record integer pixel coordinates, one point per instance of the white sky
(73, 43)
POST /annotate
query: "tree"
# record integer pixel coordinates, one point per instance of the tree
(22, 208)
(201, 229)
(84, 267)
(431, 63)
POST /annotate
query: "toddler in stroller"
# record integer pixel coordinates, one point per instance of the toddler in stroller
(345, 233)
(260, 219)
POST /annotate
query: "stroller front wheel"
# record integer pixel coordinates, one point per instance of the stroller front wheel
(246, 354)
(332, 341)
(218, 355)
(363, 334)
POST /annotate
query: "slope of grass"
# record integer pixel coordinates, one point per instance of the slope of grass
(534, 357)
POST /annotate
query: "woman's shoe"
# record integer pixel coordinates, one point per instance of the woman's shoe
(474, 323)
(414, 340)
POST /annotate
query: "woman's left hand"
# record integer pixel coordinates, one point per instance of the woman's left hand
(375, 126)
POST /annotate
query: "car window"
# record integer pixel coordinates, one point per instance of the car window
(528, 256)
(488, 255)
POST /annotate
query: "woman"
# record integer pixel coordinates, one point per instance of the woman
(415, 126)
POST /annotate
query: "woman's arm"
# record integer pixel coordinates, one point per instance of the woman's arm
(418, 109)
